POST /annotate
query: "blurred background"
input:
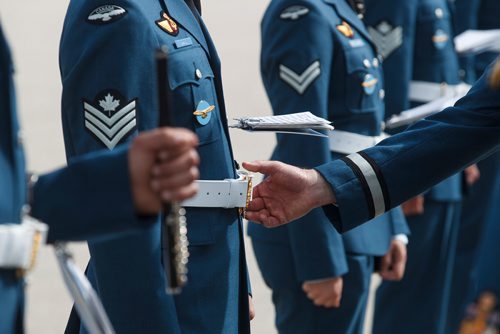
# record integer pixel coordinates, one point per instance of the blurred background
(33, 29)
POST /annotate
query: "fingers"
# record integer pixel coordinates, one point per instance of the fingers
(167, 139)
(180, 163)
(251, 308)
(322, 297)
(179, 194)
(175, 181)
(414, 206)
(385, 263)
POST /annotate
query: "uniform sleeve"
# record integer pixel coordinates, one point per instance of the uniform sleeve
(108, 78)
(296, 64)
(370, 182)
(89, 198)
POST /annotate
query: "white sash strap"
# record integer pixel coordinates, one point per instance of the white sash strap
(19, 243)
(348, 142)
(423, 91)
(230, 193)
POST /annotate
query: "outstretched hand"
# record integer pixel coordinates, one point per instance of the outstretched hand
(287, 193)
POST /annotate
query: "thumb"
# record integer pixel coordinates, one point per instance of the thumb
(263, 167)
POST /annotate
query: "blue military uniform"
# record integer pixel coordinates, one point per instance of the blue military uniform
(472, 125)
(318, 56)
(476, 198)
(50, 200)
(478, 246)
(488, 274)
(415, 38)
(107, 69)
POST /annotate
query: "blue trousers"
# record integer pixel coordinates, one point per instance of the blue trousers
(295, 313)
(11, 303)
(419, 302)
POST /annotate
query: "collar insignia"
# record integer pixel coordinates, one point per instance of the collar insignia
(167, 24)
(345, 29)
(106, 14)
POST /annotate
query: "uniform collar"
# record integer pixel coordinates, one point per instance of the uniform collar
(180, 12)
(349, 15)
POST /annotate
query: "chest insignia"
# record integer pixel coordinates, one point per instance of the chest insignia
(106, 14)
(167, 24)
(293, 13)
(109, 118)
(369, 83)
(345, 29)
(203, 112)
(300, 81)
(386, 37)
(440, 39)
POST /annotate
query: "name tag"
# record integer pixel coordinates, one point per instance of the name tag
(356, 43)
(182, 43)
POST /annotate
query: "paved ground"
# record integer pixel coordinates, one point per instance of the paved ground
(33, 28)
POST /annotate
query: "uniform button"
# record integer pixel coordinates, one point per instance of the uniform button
(367, 63)
(439, 13)
(381, 94)
(198, 74)
(375, 62)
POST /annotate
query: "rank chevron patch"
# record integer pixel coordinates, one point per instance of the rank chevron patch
(386, 37)
(109, 119)
(300, 82)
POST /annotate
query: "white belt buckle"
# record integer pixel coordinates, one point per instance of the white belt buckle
(228, 193)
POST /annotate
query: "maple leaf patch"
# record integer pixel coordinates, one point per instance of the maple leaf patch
(109, 118)
(109, 103)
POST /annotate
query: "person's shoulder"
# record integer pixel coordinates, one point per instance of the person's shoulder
(292, 10)
(93, 13)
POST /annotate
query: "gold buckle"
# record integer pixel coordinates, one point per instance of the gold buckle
(443, 87)
(37, 241)
(249, 179)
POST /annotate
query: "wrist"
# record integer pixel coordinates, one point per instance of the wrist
(322, 193)
(403, 238)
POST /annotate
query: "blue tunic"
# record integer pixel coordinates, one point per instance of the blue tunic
(65, 199)
(416, 39)
(318, 56)
(109, 93)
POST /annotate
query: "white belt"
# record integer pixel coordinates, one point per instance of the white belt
(19, 243)
(229, 193)
(348, 142)
(422, 91)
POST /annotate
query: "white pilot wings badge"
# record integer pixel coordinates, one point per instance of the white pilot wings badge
(386, 37)
(300, 81)
(294, 13)
(106, 14)
(109, 119)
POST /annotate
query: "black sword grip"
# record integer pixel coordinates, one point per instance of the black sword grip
(165, 119)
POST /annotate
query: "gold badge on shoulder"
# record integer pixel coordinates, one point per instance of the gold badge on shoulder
(345, 29)
(167, 24)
